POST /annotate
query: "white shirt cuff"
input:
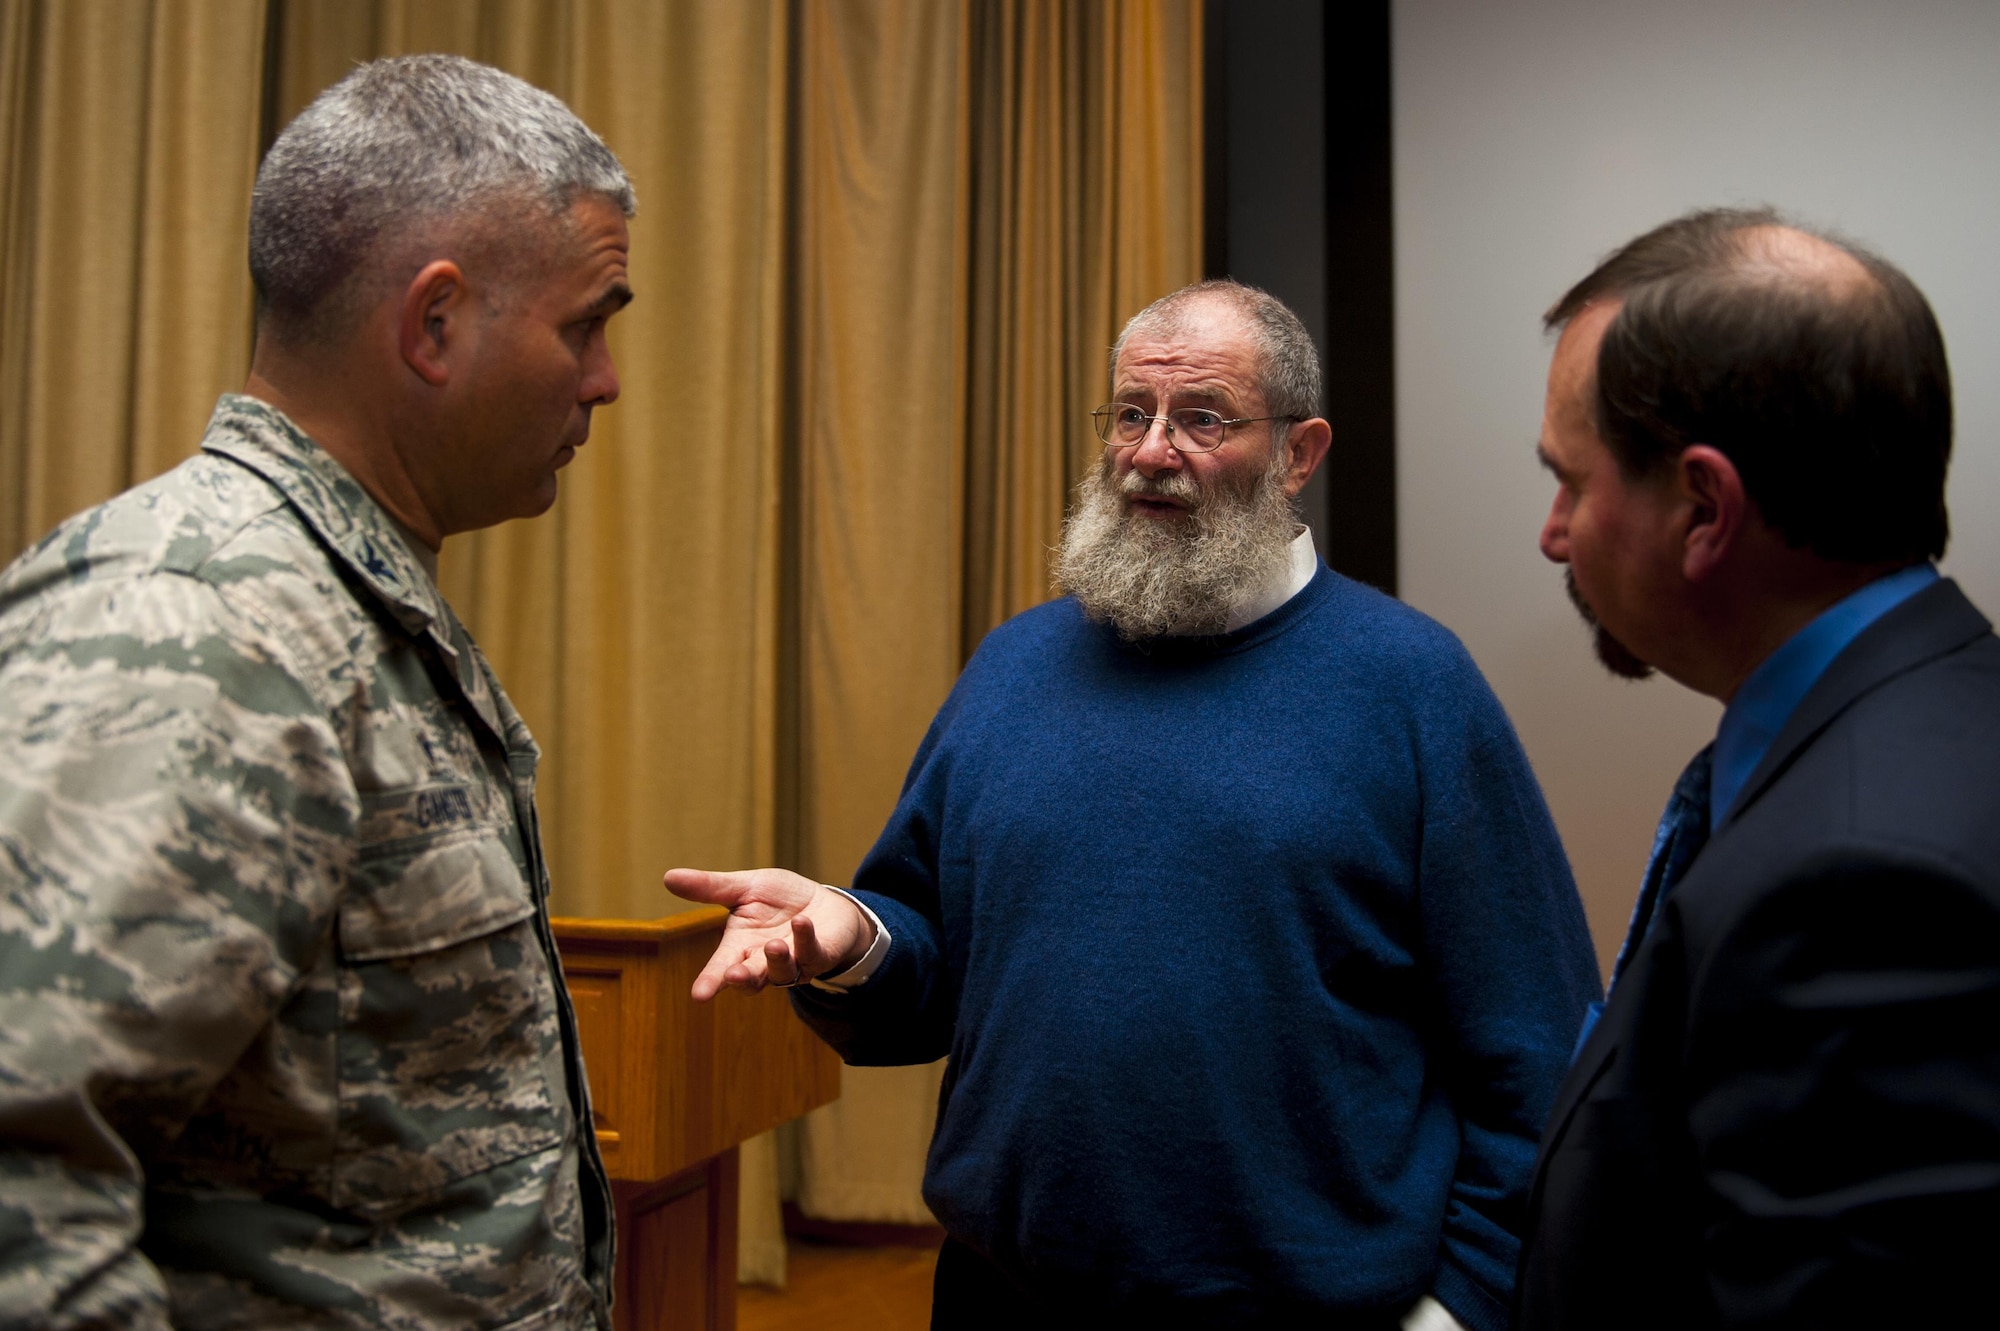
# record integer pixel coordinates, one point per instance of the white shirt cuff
(1430, 1315)
(857, 974)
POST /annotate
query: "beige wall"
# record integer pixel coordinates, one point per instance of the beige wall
(1533, 136)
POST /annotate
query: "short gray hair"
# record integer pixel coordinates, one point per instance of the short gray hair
(397, 147)
(1288, 371)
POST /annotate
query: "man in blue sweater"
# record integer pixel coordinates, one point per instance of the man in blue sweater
(1226, 886)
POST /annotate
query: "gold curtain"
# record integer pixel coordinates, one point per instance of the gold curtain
(986, 191)
(1087, 197)
(130, 139)
(881, 250)
(637, 625)
(884, 113)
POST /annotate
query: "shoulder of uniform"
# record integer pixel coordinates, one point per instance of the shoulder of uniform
(145, 584)
(175, 523)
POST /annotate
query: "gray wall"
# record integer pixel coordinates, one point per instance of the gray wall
(1534, 135)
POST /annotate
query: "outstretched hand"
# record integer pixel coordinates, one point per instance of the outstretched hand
(782, 928)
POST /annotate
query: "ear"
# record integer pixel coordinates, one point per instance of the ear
(1306, 446)
(432, 320)
(1718, 510)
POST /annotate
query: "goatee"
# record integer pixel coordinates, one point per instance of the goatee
(1149, 577)
(1615, 655)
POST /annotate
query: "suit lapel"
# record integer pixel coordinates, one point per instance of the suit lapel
(1933, 623)
(1592, 1061)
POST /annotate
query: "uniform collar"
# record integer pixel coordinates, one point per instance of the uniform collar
(332, 503)
(362, 535)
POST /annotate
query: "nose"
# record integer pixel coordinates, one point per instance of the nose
(1156, 452)
(599, 387)
(1555, 530)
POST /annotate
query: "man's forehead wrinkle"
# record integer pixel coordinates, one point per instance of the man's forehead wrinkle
(1173, 353)
(1203, 387)
(1187, 368)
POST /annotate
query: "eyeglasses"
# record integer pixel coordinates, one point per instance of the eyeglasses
(1189, 429)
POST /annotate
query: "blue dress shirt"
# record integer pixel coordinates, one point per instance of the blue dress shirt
(1751, 722)
(1774, 690)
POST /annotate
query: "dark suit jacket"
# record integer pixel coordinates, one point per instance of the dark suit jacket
(1789, 1114)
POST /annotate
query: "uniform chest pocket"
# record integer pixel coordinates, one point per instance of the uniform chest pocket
(450, 1053)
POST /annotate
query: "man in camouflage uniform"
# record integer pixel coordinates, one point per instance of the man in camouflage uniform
(283, 1040)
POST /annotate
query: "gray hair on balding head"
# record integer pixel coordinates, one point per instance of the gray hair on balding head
(396, 149)
(1288, 370)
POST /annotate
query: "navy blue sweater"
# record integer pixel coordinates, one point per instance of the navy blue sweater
(1257, 959)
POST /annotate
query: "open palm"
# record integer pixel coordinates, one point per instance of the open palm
(782, 927)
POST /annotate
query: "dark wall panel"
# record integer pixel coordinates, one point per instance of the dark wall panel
(1299, 204)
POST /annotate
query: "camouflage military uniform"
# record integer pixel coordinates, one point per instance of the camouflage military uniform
(280, 1038)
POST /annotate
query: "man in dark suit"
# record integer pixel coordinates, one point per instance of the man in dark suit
(1788, 1114)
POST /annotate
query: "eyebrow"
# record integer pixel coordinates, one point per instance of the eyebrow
(615, 298)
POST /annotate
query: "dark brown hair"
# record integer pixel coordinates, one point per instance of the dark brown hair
(1829, 389)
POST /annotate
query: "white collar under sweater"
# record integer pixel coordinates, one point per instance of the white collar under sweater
(1280, 587)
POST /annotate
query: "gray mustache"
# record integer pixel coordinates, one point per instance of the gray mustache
(1167, 485)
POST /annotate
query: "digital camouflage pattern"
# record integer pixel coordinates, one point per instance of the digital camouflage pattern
(281, 1038)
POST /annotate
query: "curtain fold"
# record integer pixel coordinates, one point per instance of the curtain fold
(1074, 199)
(636, 625)
(884, 115)
(130, 130)
(1087, 180)
(882, 248)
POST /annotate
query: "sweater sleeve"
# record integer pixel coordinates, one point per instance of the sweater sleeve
(906, 1010)
(1512, 971)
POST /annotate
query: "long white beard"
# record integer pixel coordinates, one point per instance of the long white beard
(1148, 578)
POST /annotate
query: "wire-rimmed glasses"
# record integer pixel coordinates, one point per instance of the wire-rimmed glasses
(1189, 429)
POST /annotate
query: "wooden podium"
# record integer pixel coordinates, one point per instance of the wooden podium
(675, 1087)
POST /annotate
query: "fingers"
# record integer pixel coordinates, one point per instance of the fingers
(795, 963)
(721, 889)
(783, 964)
(725, 968)
(781, 968)
(768, 940)
(777, 890)
(735, 966)
(812, 958)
